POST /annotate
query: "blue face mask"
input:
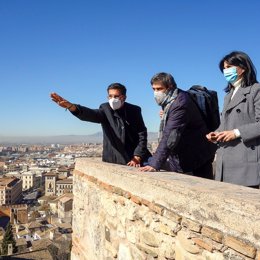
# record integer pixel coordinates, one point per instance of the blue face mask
(230, 74)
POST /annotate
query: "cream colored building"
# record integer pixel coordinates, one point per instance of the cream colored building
(64, 186)
(29, 180)
(65, 208)
(11, 167)
(10, 190)
(54, 186)
(50, 184)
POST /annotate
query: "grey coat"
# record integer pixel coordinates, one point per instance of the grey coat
(238, 160)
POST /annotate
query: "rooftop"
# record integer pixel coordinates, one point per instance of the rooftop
(65, 181)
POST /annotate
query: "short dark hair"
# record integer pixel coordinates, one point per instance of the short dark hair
(242, 60)
(118, 86)
(164, 79)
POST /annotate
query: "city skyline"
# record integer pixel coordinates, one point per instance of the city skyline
(77, 48)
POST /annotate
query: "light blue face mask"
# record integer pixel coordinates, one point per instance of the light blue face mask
(230, 74)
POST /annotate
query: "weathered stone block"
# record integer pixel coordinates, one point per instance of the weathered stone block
(106, 187)
(149, 238)
(136, 199)
(242, 247)
(203, 243)
(142, 211)
(190, 224)
(131, 212)
(109, 206)
(145, 202)
(182, 254)
(118, 191)
(148, 249)
(148, 219)
(174, 226)
(172, 216)
(137, 254)
(212, 233)
(167, 250)
(127, 194)
(132, 234)
(187, 244)
(212, 256)
(234, 255)
(159, 209)
(166, 230)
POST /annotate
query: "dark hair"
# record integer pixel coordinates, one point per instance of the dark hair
(242, 60)
(118, 86)
(164, 79)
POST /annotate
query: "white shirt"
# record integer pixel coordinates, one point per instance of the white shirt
(236, 85)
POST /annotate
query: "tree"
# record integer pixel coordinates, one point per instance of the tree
(8, 239)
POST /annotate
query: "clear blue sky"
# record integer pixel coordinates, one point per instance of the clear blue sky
(78, 47)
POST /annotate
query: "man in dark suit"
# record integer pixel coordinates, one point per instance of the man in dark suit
(183, 146)
(124, 131)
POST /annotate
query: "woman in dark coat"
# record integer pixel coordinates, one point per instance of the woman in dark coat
(238, 135)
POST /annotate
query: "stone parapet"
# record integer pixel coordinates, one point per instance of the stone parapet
(121, 213)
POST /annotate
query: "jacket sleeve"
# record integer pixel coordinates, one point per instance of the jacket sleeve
(252, 130)
(88, 114)
(226, 100)
(220, 128)
(141, 149)
(176, 123)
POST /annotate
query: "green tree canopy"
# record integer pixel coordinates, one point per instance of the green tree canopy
(8, 239)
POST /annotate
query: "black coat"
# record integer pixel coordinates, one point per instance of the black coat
(184, 141)
(124, 131)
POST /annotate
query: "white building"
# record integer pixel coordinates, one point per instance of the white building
(29, 180)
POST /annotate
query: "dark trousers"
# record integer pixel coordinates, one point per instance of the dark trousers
(204, 171)
(254, 187)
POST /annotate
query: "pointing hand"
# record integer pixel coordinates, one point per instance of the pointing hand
(62, 102)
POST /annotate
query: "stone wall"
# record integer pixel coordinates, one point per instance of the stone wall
(16, 213)
(121, 213)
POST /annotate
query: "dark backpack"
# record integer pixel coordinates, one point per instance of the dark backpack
(207, 102)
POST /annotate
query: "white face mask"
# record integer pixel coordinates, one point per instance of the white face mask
(115, 103)
(159, 96)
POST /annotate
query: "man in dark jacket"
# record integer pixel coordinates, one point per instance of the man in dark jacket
(182, 144)
(124, 131)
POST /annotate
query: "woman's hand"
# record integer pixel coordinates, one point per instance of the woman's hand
(212, 136)
(226, 136)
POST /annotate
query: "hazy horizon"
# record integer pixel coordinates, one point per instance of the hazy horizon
(68, 139)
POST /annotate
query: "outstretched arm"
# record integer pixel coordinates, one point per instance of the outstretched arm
(63, 102)
(81, 112)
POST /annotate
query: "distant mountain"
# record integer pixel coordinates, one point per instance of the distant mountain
(60, 139)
